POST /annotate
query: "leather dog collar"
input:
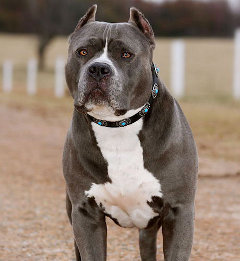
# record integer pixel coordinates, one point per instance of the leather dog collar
(145, 109)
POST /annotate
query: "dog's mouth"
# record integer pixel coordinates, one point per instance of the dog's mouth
(99, 95)
(98, 103)
(96, 95)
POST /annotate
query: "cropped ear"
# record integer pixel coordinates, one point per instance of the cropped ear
(88, 17)
(139, 20)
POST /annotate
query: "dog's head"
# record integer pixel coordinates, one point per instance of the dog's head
(109, 65)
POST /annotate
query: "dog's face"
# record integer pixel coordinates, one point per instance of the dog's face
(109, 65)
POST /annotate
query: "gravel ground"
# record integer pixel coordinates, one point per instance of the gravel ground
(33, 223)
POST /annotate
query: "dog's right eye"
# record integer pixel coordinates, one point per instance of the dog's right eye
(81, 52)
(126, 55)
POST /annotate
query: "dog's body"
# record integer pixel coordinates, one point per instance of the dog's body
(142, 175)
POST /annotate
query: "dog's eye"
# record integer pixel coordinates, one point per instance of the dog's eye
(81, 52)
(126, 55)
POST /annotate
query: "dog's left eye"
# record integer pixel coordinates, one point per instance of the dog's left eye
(126, 55)
(81, 52)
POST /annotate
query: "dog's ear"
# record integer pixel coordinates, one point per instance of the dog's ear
(88, 17)
(138, 19)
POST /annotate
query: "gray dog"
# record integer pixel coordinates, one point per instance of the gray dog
(129, 152)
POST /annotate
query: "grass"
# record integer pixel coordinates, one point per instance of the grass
(215, 124)
(209, 63)
(209, 66)
(213, 115)
(216, 127)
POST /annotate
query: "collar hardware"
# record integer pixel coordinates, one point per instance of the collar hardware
(155, 90)
(145, 109)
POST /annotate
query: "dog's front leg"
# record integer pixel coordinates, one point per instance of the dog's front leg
(148, 242)
(90, 231)
(178, 233)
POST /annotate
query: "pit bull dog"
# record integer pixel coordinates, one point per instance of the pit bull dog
(129, 152)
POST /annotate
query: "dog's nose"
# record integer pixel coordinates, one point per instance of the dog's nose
(99, 71)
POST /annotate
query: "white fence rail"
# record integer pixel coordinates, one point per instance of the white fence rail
(59, 77)
(236, 71)
(31, 77)
(7, 76)
(178, 58)
(178, 68)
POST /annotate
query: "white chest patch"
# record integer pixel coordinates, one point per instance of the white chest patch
(132, 186)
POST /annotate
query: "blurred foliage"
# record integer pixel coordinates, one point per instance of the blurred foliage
(48, 18)
(178, 18)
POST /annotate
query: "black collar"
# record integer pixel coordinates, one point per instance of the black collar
(138, 115)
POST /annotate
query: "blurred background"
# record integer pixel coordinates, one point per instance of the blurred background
(198, 53)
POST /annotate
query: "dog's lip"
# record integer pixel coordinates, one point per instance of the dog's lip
(81, 108)
(96, 92)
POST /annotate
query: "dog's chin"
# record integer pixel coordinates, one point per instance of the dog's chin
(104, 111)
(92, 99)
(99, 105)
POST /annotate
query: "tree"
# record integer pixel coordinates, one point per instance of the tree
(49, 18)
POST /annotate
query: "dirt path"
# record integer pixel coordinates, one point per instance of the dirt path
(33, 223)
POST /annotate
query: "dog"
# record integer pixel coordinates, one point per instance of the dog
(129, 153)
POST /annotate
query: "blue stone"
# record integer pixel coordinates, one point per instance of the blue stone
(156, 91)
(99, 123)
(146, 110)
(124, 123)
(158, 70)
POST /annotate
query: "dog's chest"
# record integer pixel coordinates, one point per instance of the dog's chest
(126, 197)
